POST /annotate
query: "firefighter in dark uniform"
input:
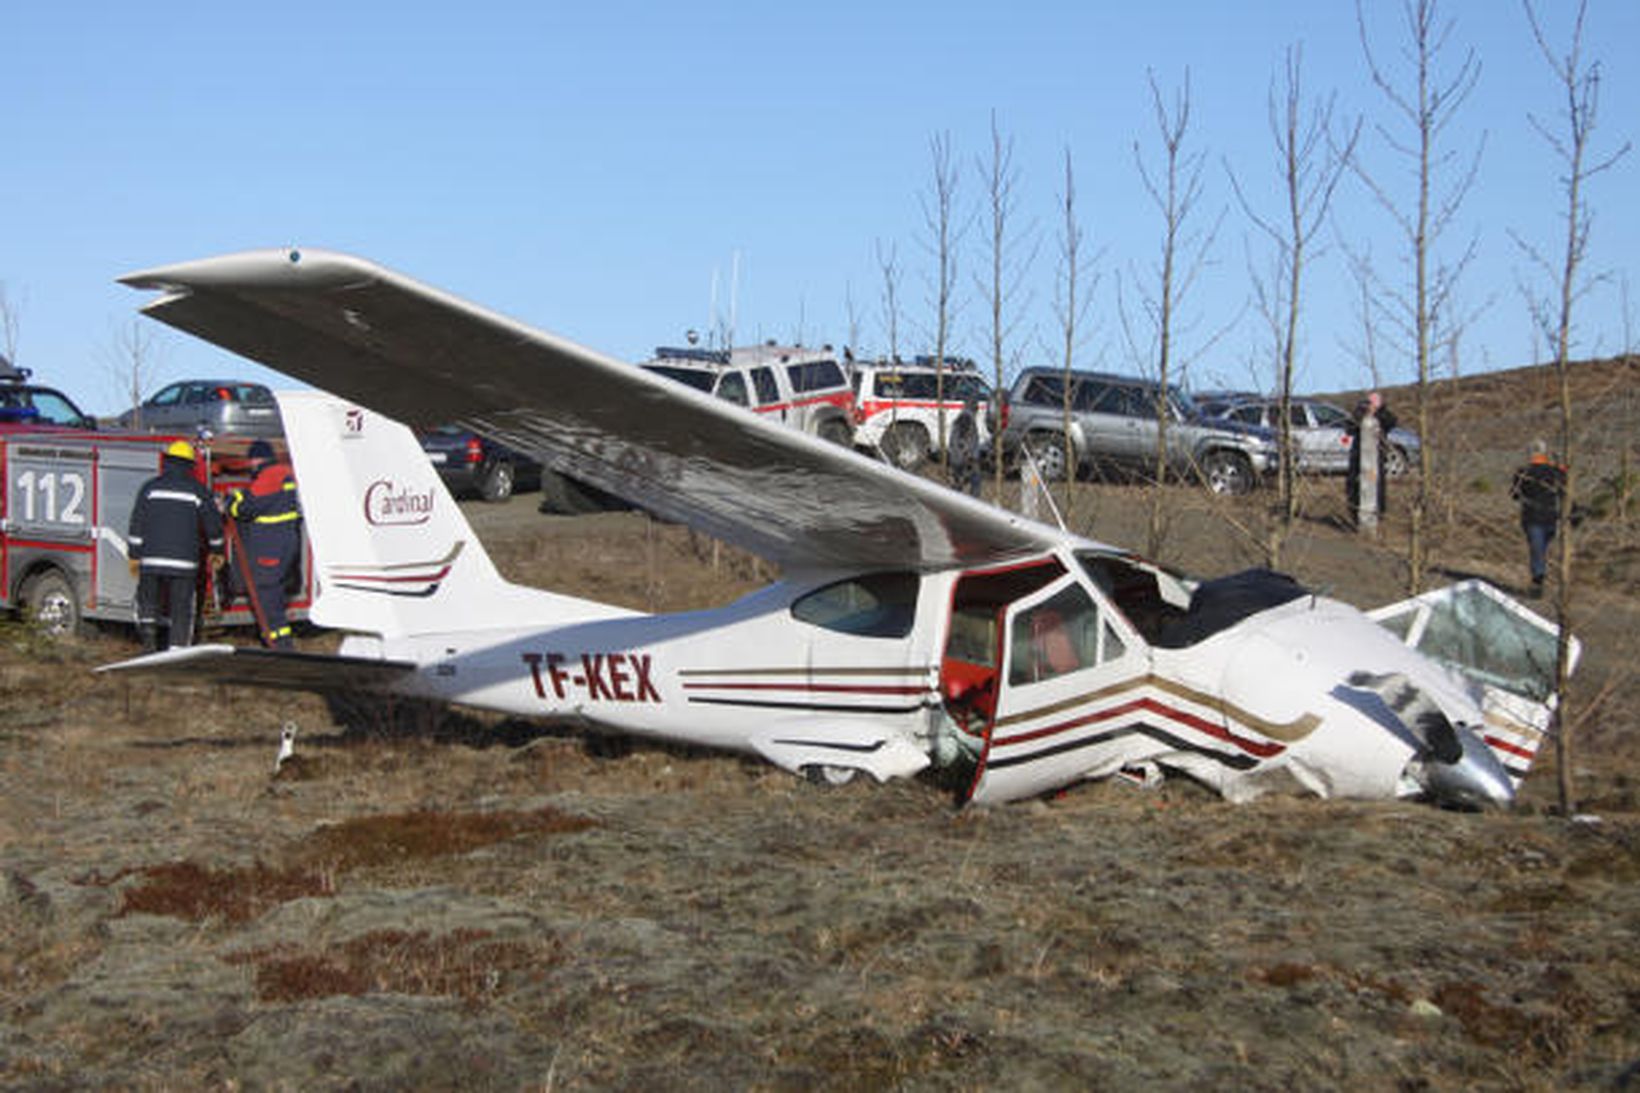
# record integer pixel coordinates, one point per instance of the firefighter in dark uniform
(172, 515)
(270, 529)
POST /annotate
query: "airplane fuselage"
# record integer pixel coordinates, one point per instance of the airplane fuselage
(1034, 674)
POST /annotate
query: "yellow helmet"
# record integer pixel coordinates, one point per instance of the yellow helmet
(181, 449)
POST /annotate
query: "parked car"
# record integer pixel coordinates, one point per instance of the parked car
(898, 406)
(1320, 431)
(1113, 426)
(804, 388)
(24, 403)
(473, 464)
(221, 407)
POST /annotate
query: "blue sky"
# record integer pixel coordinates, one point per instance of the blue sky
(594, 170)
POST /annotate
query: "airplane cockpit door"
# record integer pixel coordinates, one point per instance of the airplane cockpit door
(1069, 675)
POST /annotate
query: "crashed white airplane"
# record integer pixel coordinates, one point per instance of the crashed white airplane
(913, 627)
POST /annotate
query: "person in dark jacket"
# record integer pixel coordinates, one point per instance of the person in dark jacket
(1539, 486)
(269, 519)
(1372, 405)
(963, 449)
(173, 514)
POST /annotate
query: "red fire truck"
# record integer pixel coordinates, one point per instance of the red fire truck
(64, 515)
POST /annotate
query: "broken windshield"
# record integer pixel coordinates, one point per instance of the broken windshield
(1480, 635)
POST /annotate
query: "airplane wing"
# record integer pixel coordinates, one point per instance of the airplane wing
(412, 352)
(317, 672)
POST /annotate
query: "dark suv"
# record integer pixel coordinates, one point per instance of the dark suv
(1113, 425)
(469, 463)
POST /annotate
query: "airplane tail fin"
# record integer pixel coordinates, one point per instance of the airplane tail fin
(393, 553)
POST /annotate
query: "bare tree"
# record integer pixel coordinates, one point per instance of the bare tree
(1011, 254)
(9, 323)
(945, 226)
(1175, 193)
(1071, 302)
(1425, 317)
(1579, 82)
(1366, 351)
(851, 314)
(889, 267)
(134, 362)
(800, 333)
(722, 333)
(1312, 163)
(1631, 421)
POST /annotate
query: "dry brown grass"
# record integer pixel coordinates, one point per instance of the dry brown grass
(200, 893)
(470, 901)
(467, 964)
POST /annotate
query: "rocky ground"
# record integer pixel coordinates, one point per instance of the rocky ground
(483, 905)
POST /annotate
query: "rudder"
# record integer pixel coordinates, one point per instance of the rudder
(393, 551)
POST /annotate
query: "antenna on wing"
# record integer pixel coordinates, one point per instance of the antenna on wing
(1034, 495)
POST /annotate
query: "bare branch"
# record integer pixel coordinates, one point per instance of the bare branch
(888, 267)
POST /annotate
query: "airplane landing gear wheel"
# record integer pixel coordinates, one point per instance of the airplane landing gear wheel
(828, 776)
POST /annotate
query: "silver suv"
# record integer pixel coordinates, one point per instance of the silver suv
(1320, 431)
(804, 388)
(1113, 426)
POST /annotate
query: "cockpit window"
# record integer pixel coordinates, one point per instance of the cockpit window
(1147, 596)
(1475, 633)
(1057, 636)
(878, 605)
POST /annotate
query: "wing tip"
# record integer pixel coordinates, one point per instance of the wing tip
(268, 265)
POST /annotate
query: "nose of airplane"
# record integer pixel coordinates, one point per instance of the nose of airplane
(1475, 779)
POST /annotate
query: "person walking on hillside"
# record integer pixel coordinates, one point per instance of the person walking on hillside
(268, 518)
(1540, 487)
(172, 515)
(1370, 406)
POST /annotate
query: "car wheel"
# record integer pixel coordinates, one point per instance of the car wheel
(497, 483)
(836, 431)
(1396, 462)
(1227, 473)
(828, 776)
(1048, 449)
(53, 604)
(906, 445)
(568, 497)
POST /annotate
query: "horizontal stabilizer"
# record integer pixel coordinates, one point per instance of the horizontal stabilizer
(320, 673)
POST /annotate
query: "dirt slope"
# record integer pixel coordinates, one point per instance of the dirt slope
(484, 906)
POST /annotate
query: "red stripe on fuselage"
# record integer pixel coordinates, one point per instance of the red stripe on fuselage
(1512, 749)
(410, 579)
(1182, 717)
